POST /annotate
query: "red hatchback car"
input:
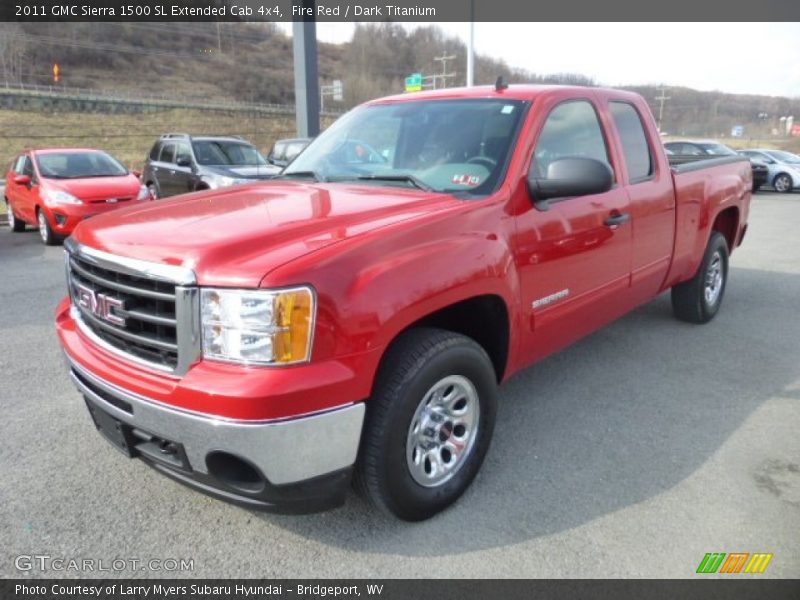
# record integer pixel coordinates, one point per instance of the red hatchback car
(56, 189)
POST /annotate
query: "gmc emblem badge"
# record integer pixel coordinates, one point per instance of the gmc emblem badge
(100, 305)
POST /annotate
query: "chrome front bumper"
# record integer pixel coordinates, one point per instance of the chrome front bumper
(285, 452)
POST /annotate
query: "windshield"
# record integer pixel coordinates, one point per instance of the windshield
(782, 156)
(442, 145)
(79, 165)
(225, 153)
(717, 149)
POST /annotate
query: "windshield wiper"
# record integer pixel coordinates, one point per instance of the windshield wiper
(415, 181)
(312, 174)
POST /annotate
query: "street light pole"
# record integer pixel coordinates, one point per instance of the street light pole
(306, 81)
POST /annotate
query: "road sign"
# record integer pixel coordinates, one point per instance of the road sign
(737, 131)
(414, 83)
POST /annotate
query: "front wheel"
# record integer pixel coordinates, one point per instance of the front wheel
(45, 231)
(429, 423)
(783, 183)
(699, 299)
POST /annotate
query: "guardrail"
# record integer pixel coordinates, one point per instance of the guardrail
(160, 100)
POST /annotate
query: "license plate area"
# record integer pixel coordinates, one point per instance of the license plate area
(134, 442)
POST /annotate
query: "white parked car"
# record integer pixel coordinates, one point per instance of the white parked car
(784, 168)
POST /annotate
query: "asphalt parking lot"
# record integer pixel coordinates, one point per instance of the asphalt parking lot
(630, 454)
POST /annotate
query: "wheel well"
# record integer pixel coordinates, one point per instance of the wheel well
(482, 318)
(774, 179)
(727, 223)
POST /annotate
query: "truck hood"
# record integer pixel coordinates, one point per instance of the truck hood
(234, 237)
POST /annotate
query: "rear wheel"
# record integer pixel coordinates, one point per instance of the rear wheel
(699, 299)
(45, 231)
(14, 224)
(428, 425)
(783, 183)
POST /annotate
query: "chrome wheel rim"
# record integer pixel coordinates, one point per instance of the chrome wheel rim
(42, 226)
(782, 183)
(713, 284)
(443, 431)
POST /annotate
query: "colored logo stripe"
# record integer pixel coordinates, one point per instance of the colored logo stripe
(711, 562)
(758, 562)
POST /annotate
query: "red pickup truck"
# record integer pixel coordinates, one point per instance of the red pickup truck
(352, 319)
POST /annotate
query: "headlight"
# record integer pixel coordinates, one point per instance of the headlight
(220, 181)
(144, 193)
(59, 197)
(260, 327)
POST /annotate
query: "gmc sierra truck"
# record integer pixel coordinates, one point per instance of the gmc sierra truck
(352, 319)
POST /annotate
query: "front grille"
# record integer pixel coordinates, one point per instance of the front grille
(133, 310)
(148, 310)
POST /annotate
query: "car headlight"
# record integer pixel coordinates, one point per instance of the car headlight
(60, 197)
(144, 193)
(260, 327)
(221, 181)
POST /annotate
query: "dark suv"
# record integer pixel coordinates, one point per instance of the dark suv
(180, 163)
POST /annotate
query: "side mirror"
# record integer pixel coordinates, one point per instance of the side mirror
(769, 161)
(22, 179)
(184, 161)
(569, 177)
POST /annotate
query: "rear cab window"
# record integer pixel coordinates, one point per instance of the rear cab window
(635, 147)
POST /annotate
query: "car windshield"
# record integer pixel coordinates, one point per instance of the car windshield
(718, 149)
(225, 153)
(79, 165)
(441, 145)
(782, 156)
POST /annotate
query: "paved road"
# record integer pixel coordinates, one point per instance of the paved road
(633, 453)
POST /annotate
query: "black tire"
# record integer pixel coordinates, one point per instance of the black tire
(690, 301)
(416, 363)
(783, 183)
(45, 231)
(14, 224)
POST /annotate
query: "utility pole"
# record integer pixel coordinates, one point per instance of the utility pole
(443, 59)
(661, 98)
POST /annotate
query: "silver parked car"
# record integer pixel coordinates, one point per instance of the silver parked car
(784, 168)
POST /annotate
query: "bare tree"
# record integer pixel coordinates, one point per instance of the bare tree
(12, 52)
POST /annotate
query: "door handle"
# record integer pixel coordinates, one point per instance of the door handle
(617, 219)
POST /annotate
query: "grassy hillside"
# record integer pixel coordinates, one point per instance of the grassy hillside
(129, 137)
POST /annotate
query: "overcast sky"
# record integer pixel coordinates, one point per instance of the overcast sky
(754, 58)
